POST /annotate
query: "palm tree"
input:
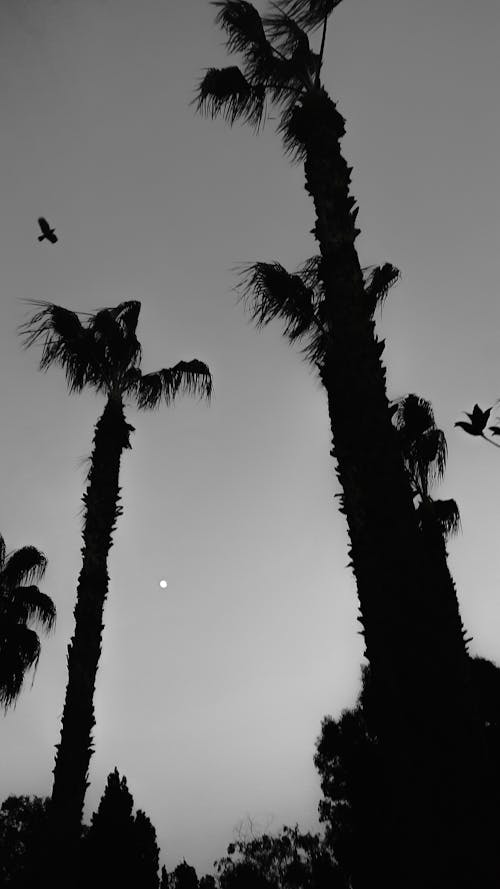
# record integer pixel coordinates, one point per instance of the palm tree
(417, 658)
(424, 451)
(21, 603)
(105, 354)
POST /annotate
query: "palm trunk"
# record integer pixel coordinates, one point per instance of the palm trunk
(75, 748)
(409, 611)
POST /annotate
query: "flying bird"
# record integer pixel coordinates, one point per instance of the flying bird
(48, 233)
(478, 420)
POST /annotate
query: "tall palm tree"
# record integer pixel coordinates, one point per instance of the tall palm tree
(21, 603)
(418, 659)
(102, 352)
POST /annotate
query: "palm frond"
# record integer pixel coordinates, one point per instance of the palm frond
(113, 330)
(242, 23)
(127, 315)
(186, 377)
(448, 516)
(433, 452)
(269, 291)
(413, 416)
(308, 13)
(301, 63)
(443, 513)
(50, 320)
(2, 552)
(246, 35)
(285, 32)
(309, 272)
(19, 652)
(227, 92)
(24, 565)
(26, 604)
(423, 445)
(65, 341)
(378, 280)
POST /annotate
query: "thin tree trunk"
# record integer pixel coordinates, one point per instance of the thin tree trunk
(75, 749)
(409, 612)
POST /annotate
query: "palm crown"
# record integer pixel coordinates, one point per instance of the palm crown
(21, 603)
(424, 451)
(278, 64)
(269, 291)
(104, 353)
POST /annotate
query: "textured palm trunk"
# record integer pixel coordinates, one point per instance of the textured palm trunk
(409, 611)
(75, 748)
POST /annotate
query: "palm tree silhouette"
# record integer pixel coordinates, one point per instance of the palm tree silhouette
(425, 451)
(417, 657)
(105, 354)
(21, 603)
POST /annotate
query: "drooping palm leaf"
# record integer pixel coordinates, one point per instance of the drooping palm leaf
(269, 291)
(65, 341)
(309, 272)
(300, 64)
(447, 514)
(285, 33)
(227, 92)
(19, 652)
(26, 604)
(2, 552)
(24, 565)
(189, 377)
(378, 281)
(309, 13)
(433, 452)
(246, 35)
(423, 445)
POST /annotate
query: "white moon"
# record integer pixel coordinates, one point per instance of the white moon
(163, 584)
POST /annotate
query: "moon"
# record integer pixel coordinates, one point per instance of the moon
(163, 584)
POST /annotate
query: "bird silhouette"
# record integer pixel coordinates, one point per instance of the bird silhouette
(478, 420)
(48, 233)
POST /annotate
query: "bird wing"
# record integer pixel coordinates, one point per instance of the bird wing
(44, 225)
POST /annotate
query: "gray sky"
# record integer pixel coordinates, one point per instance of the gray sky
(210, 693)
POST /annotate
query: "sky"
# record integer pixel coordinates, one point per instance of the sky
(211, 692)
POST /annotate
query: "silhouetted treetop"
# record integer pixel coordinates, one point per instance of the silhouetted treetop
(103, 352)
(21, 603)
(279, 68)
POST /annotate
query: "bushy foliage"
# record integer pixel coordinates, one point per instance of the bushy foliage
(287, 860)
(348, 759)
(120, 849)
(21, 832)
